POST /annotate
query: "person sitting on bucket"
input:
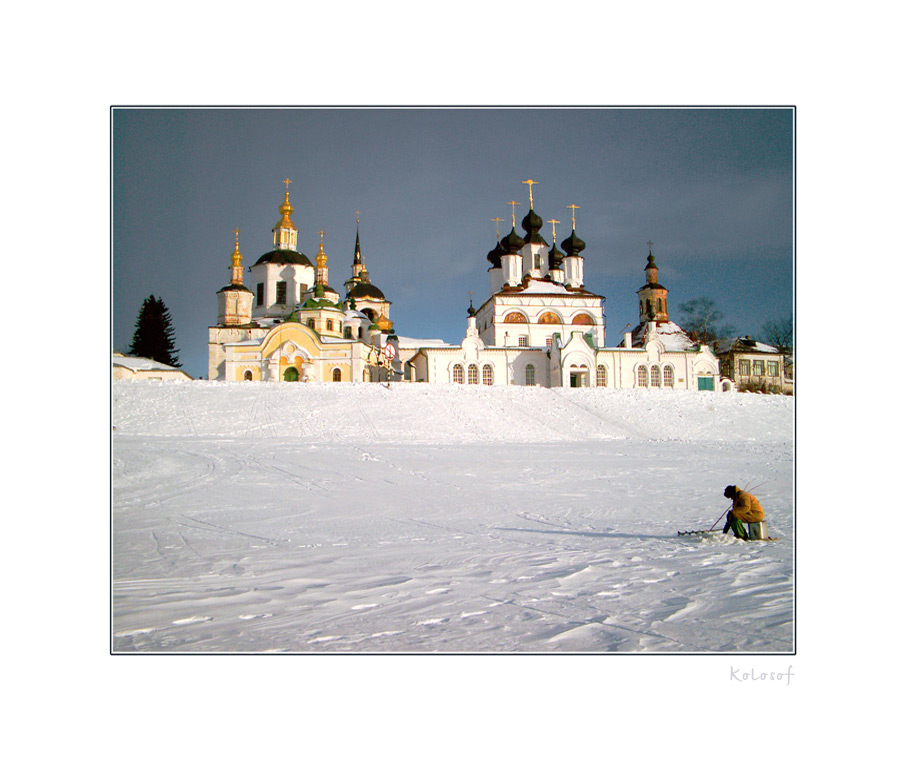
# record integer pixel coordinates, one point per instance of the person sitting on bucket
(745, 508)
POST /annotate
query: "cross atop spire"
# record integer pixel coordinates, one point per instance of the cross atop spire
(287, 183)
(573, 208)
(650, 245)
(513, 203)
(236, 232)
(498, 221)
(530, 197)
(554, 222)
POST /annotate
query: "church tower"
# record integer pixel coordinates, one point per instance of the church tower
(573, 263)
(282, 276)
(534, 250)
(510, 259)
(653, 296)
(322, 262)
(235, 300)
(284, 235)
(358, 266)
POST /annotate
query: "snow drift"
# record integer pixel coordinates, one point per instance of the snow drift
(256, 517)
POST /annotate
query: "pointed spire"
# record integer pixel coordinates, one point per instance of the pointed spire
(357, 258)
(286, 208)
(237, 269)
(284, 234)
(321, 261)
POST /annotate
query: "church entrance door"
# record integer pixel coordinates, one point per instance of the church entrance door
(290, 374)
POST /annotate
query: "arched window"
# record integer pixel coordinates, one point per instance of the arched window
(311, 323)
(642, 377)
(473, 375)
(458, 374)
(668, 377)
(654, 376)
(329, 325)
(529, 374)
(601, 376)
(515, 318)
(336, 375)
(549, 318)
(487, 375)
(248, 375)
(583, 319)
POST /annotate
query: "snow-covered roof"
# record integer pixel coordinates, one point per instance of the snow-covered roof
(673, 337)
(140, 364)
(411, 342)
(744, 344)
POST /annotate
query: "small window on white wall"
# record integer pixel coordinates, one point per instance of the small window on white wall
(529, 374)
(473, 375)
(601, 376)
(669, 377)
(642, 377)
(487, 375)
(458, 374)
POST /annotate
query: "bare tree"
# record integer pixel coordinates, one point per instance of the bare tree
(699, 319)
(780, 333)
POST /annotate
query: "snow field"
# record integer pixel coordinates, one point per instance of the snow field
(353, 518)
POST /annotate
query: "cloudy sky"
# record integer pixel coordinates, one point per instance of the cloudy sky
(711, 187)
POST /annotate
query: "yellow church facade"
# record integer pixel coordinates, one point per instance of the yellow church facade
(290, 325)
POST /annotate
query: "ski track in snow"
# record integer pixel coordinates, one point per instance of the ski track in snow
(353, 518)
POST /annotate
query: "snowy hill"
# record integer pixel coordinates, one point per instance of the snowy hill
(356, 518)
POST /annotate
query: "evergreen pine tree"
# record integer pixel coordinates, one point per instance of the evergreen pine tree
(154, 337)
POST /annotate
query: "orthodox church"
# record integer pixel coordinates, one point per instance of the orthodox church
(291, 324)
(540, 326)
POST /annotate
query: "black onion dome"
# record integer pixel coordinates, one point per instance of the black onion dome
(235, 288)
(651, 278)
(532, 224)
(572, 245)
(284, 257)
(494, 256)
(365, 290)
(512, 242)
(555, 257)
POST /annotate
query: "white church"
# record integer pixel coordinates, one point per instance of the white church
(540, 326)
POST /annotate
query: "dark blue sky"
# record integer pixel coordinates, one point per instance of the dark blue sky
(712, 188)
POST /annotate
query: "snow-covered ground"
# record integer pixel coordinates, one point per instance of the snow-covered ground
(255, 517)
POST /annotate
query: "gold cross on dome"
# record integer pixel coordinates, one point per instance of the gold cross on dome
(650, 245)
(498, 221)
(554, 222)
(573, 208)
(236, 232)
(322, 235)
(287, 183)
(357, 217)
(513, 203)
(530, 197)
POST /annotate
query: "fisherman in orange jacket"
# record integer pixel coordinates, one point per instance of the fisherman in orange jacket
(745, 508)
